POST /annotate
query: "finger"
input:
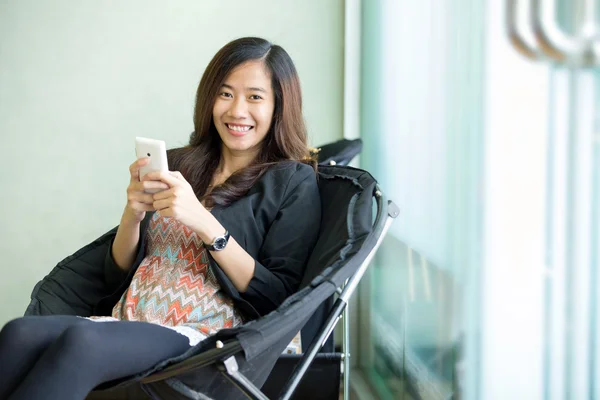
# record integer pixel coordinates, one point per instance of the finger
(134, 168)
(165, 177)
(137, 164)
(143, 185)
(140, 197)
(165, 194)
(161, 205)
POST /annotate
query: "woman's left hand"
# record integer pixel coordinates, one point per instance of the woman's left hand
(181, 203)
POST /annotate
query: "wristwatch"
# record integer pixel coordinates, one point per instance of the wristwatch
(218, 243)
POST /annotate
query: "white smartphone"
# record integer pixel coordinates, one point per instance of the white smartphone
(157, 151)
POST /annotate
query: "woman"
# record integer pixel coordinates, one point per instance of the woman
(224, 241)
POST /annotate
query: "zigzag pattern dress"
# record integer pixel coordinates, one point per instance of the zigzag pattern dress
(174, 285)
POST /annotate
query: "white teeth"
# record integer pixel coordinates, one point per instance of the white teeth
(239, 128)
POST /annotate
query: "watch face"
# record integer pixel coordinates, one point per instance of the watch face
(220, 243)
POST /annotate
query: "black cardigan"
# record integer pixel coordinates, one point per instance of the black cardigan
(277, 222)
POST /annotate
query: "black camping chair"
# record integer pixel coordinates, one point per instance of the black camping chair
(240, 359)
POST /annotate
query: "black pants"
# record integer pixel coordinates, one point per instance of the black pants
(65, 357)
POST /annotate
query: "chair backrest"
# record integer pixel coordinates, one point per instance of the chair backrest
(347, 209)
(346, 201)
(340, 152)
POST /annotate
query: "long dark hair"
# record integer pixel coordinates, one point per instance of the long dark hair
(285, 140)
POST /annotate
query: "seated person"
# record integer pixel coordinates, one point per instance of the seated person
(225, 240)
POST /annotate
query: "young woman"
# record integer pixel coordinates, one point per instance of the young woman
(226, 240)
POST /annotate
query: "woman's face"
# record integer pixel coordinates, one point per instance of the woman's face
(243, 110)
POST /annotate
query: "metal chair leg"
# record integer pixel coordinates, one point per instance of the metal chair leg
(346, 352)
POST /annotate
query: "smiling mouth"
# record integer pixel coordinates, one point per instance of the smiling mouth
(239, 128)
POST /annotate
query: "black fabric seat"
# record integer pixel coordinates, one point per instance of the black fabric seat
(247, 354)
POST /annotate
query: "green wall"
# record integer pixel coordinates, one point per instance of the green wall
(79, 80)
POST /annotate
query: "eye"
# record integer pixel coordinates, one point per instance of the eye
(255, 97)
(225, 94)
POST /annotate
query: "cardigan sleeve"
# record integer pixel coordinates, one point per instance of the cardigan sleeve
(288, 243)
(114, 276)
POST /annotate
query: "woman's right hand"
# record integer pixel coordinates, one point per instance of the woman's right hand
(138, 202)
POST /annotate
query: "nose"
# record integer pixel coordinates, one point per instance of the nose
(238, 109)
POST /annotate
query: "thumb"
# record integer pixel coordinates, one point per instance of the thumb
(177, 174)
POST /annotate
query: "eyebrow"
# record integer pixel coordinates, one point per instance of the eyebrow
(254, 89)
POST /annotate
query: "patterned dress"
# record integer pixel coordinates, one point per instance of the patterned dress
(174, 285)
